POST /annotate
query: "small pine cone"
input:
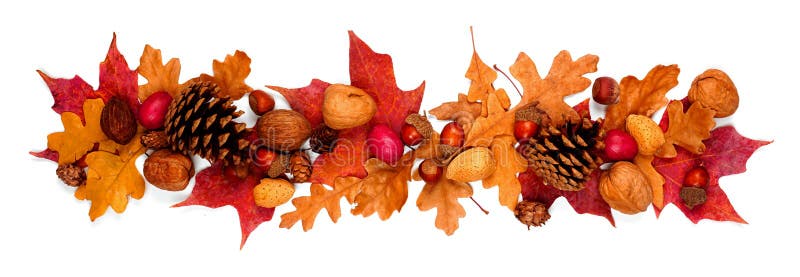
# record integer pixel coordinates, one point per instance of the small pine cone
(279, 166)
(300, 167)
(693, 196)
(531, 213)
(323, 139)
(422, 125)
(71, 174)
(155, 139)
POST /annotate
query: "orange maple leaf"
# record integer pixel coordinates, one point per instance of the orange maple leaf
(385, 189)
(229, 75)
(111, 178)
(509, 163)
(77, 138)
(643, 97)
(687, 130)
(443, 195)
(160, 77)
(307, 207)
(565, 78)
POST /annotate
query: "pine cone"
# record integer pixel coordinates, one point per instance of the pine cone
(323, 139)
(71, 174)
(565, 158)
(155, 139)
(198, 123)
(300, 167)
(531, 213)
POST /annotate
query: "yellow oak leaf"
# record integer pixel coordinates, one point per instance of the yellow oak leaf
(307, 207)
(687, 130)
(565, 78)
(160, 77)
(385, 189)
(111, 178)
(643, 97)
(498, 122)
(509, 163)
(443, 195)
(77, 138)
(229, 75)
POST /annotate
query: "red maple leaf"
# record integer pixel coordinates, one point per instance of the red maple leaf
(587, 200)
(116, 79)
(217, 186)
(726, 153)
(373, 73)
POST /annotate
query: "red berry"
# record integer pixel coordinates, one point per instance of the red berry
(264, 157)
(410, 135)
(453, 135)
(620, 146)
(696, 177)
(154, 109)
(525, 129)
(605, 91)
(261, 102)
(384, 144)
(429, 171)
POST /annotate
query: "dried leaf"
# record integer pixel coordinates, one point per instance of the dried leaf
(229, 75)
(656, 181)
(587, 200)
(160, 77)
(78, 139)
(452, 110)
(509, 163)
(565, 78)
(643, 97)
(481, 75)
(687, 130)
(346, 159)
(217, 186)
(69, 94)
(498, 122)
(726, 154)
(111, 178)
(385, 189)
(307, 207)
(443, 195)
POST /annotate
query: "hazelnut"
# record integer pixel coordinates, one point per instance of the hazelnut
(283, 130)
(714, 90)
(117, 121)
(346, 107)
(168, 170)
(261, 102)
(605, 91)
(625, 188)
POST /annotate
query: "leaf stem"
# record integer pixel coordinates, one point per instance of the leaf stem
(509, 80)
(479, 205)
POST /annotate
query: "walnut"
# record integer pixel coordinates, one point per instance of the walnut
(714, 90)
(625, 188)
(168, 170)
(346, 107)
(283, 130)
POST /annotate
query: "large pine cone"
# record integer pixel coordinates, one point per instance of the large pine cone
(200, 124)
(565, 157)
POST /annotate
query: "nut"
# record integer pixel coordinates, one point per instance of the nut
(714, 90)
(471, 165)
(283, 130)
(261, 102)
(605, 91)
(270, 193)
(117, 121)
(168, 170)
(646, 132)
(625, 188)
(346, 107)
(693, 196)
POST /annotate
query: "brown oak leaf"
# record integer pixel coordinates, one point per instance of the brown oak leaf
(229, 75)
(656, 181)
(687, 129)
(643, 97)
(565, 78)
(385, 189)
(462, 111)
(509, 163)
(160, 77)
(481, 75)
(443, 195)
(307, 207)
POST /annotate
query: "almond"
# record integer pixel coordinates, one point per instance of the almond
(646, 132)
(471, 165)
(271, 193)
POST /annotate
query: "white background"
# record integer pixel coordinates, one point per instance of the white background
(45, 230)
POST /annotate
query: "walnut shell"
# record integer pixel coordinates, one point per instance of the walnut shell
(714, 90)
(625, 188)
(168, 170)
(283, 130)
(346, 107)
